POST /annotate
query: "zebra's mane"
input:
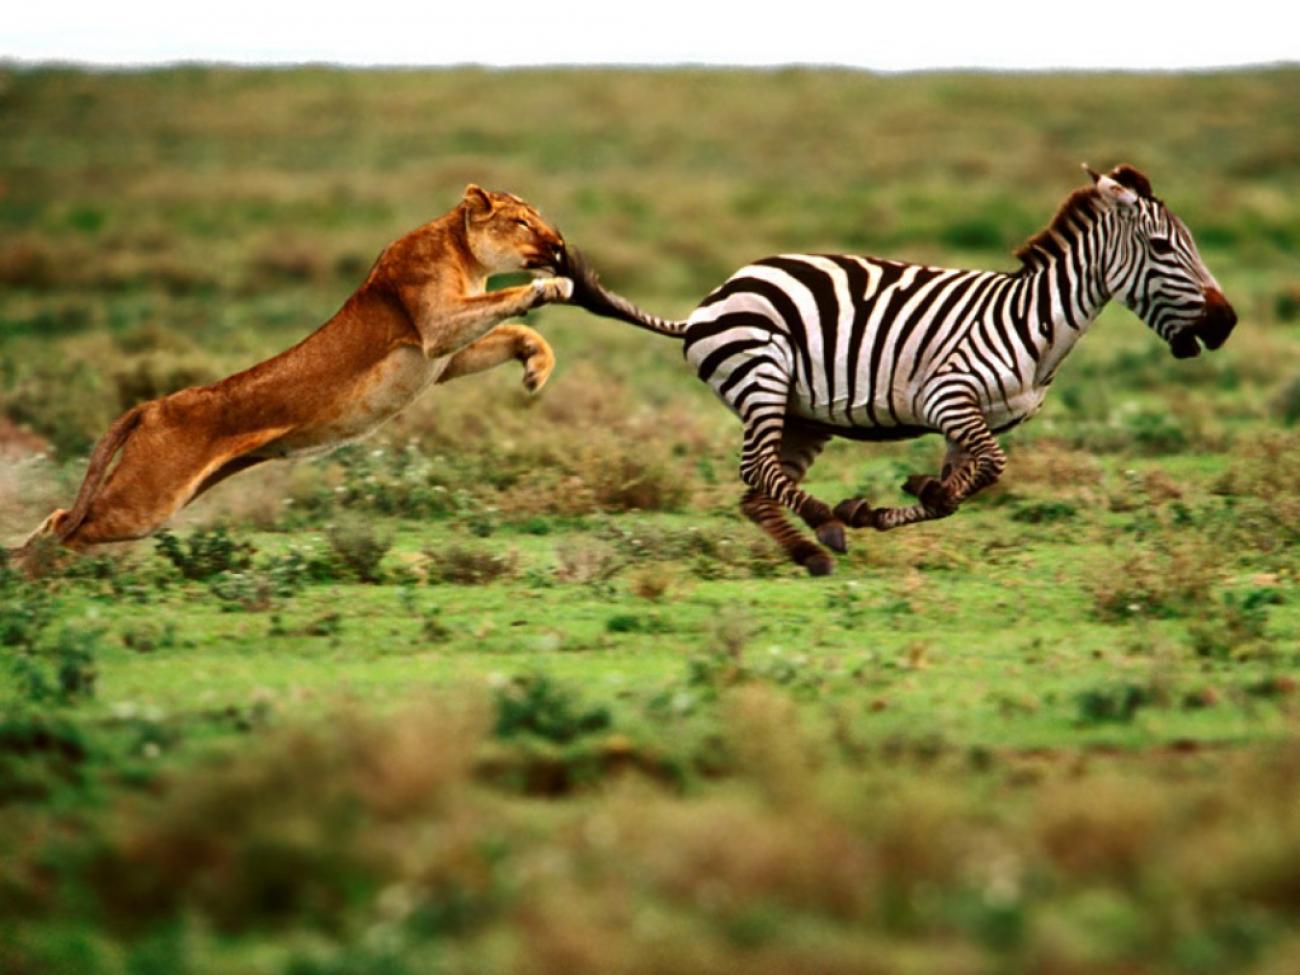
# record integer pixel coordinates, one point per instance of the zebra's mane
(1078, 209)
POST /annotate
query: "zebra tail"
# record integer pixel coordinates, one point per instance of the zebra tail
(590, 294)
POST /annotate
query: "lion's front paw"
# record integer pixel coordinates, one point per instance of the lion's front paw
(552, 289)
(538, 361)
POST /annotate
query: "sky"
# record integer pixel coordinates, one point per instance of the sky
(893, 36)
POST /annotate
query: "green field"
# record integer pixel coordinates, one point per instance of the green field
(513, 687)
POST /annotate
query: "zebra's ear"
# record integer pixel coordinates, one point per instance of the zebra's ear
(1113, 193)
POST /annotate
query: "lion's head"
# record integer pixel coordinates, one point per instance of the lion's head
(506, 234)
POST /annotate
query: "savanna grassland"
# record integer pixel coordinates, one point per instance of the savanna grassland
(512, 687)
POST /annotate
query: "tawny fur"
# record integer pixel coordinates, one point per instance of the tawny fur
(421, 317)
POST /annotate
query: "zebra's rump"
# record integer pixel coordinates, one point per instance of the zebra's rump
(854, 332)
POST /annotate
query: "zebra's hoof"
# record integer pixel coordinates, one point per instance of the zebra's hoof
(820, 564)
(831, 534)
(812, 558)
(854, 512)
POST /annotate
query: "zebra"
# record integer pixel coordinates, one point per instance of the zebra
(804, 347)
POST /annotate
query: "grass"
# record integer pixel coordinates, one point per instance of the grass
(513, 686)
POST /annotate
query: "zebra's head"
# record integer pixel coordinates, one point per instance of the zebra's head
(1158, 272)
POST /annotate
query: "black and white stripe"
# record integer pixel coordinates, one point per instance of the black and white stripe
(806, 346)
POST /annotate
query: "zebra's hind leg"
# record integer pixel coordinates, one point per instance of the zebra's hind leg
(799, 448)
(766, 513)
(761, 404)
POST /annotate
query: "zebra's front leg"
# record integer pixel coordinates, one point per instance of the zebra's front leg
(973, 462)
(932, 491)
(935, 501)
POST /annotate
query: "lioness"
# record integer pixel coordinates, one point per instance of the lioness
(421, 317)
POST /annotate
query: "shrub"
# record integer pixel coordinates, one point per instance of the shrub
(464, 566)
(359, 548)
(205, 553)
(1286, 404)
(1172, 583)
(1286, 304)
(534, 705)
(1042, 512)
(251, 591)
(42, 399)
(25, 610)
(586, 563)
(1236, 627)
(147, 637)
(63, 670)
(1113, 703)
(637, 481)
(39, 752)
(651, 582)
(400, 481)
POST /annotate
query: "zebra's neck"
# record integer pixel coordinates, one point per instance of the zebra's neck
(1064, 286)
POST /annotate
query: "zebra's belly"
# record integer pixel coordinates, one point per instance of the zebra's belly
(877, 419)
(884, 419)
(1015, 408)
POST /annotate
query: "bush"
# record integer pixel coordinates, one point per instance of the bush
(359, 548)
(1043, 512)
(205, 553)
(1114, 703)
(39, 752)
(64, 400)
(587, 563)
(63, 670)
(1286, 404)
(251, 591)
(389, 481)
(1175, 582)
(1236, 627)
(464, 566)
(533, 705)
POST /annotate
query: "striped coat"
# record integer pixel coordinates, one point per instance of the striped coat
(803, 347)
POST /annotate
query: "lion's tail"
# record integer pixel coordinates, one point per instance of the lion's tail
(590, 294)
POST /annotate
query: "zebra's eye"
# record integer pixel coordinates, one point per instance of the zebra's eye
(1161, 246)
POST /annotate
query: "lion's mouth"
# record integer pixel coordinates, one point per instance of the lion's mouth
(552, 259)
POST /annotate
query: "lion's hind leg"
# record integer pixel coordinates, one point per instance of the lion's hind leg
(50, 526)
(164, 466)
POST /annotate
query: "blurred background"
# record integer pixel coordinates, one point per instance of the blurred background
(512, 687)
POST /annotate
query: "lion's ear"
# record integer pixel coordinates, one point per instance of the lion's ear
(478, 202)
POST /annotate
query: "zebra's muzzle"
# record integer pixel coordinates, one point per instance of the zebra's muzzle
(1217, 321)
(1213, 327)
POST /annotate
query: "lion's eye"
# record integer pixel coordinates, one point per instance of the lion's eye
(524, 224)
(1161, 245)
